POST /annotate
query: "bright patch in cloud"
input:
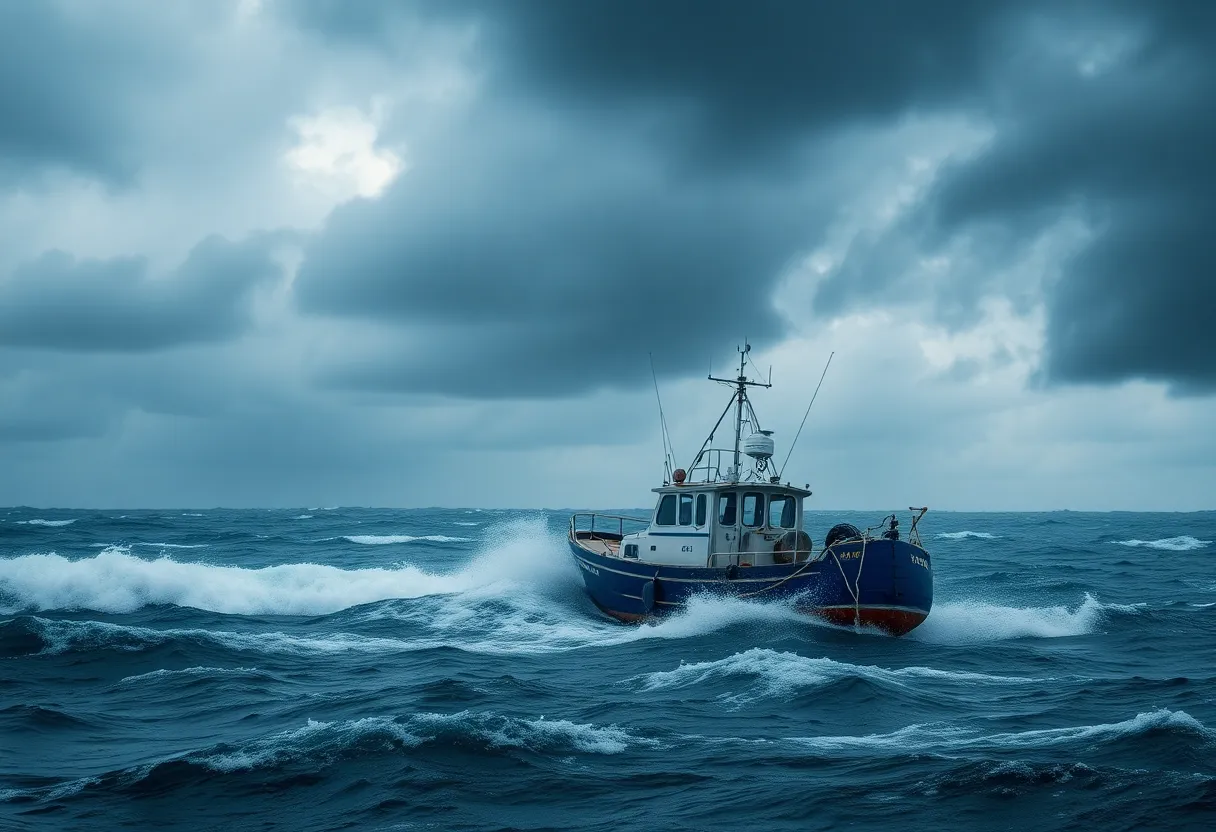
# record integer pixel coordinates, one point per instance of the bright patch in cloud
(337, 153)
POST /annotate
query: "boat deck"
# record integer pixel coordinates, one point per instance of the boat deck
(601, 547)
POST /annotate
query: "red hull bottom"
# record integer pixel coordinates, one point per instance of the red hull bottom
(891, 620)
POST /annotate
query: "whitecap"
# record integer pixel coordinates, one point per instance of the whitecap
(328, 740)
(969, 622)
(302, 517)
(387, 539)
(1185, 543)
(779, 673)
(966, 534)
(945, 738)
(172, 545)
(117, 582)
(40, 522)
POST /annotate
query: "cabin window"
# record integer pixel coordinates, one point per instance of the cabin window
(782, 511)
(631, 550)
(685, 509)
(726, 509)
(753, 509)
(666, 514)
(701, 503)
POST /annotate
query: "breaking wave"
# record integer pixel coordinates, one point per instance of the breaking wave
(321, 743)
(328, 740)
(969, 622)
(966, 534)
(38, 522)
(1185, 543)
(386, 539)
(779, 674)
(944, 738)
(116, 581)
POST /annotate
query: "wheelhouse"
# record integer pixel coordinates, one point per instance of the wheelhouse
(722, 524)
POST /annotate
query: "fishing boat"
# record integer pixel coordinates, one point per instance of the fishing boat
(726, 532)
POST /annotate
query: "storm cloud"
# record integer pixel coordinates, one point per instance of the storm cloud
(68, 97)
(61, 303)
(1096, 109)
(325, 244)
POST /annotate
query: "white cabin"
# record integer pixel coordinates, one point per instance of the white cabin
(719, 524)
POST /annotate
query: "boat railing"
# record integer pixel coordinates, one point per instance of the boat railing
(596, 525)
(712, 465)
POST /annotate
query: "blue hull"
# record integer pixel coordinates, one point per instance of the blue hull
(887, 584)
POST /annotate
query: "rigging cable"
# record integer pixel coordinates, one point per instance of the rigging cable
(668, 452)
(804, 415)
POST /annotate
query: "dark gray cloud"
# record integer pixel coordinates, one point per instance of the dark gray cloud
(70, 74)
(1117, 130)
(1103, 109)
(539, 259)
(643, 188)
(737, 85)
(58, 302)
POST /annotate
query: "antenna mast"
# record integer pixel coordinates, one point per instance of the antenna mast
(740, 384)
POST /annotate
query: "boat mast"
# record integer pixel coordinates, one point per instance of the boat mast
(740, 396)
(740, 384)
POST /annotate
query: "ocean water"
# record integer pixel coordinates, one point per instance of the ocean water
(336, 668)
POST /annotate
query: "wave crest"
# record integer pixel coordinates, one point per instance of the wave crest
(387, 539)
(115, 581)
(969, 622)
(950, 738)
(1185, 543)
(779, 674)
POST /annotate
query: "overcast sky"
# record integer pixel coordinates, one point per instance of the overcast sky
(311, 252)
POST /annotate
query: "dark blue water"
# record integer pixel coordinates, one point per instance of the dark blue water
(441, 669)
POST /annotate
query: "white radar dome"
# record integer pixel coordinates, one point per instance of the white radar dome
(759, 445)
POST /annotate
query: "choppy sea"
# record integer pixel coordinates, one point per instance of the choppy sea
(344, 668)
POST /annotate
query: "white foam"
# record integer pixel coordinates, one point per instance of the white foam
(173, 545)
(968, 622)
(115, 581)
(527, 627)
(1186, 543)
(302, 517)
(463, 523)
(193, 514)
(39, 522)
(948, 738)
(386, 539)
(327, 740)
(780, 674)
(1141, 723)
(521, 558)
(966, 534)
